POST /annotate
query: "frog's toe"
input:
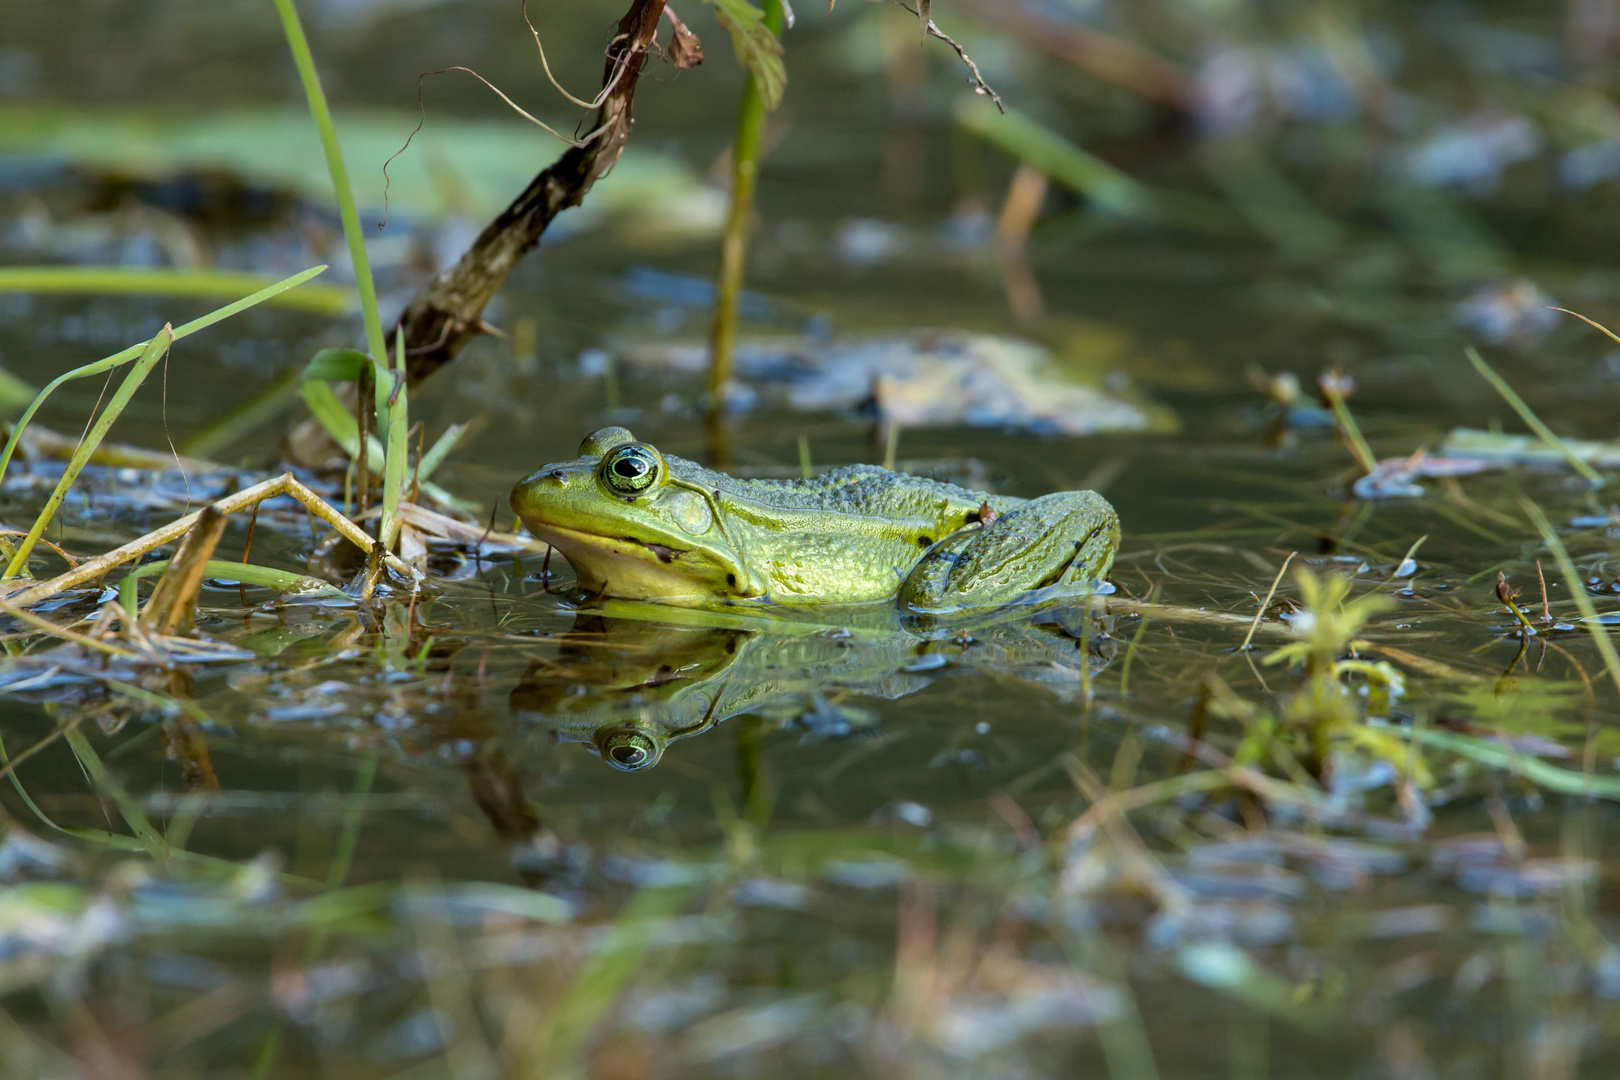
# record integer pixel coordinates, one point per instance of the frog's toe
(1066, 539)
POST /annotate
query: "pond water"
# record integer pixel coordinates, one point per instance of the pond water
(387, 840)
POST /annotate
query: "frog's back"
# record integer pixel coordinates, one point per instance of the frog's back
(852, 489)
(850, 534)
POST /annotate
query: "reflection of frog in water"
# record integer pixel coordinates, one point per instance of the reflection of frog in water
(636, 524)
(631, 687)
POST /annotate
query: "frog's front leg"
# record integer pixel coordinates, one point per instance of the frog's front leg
(1067, 538)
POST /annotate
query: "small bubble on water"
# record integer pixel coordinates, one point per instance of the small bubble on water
(981, 728)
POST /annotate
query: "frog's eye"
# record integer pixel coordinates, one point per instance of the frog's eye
(631, 469)
(629, 749)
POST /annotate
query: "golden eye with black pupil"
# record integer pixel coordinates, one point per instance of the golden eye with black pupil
(629, 749)
(631, 469)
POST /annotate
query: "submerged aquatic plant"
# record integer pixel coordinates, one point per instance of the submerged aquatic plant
(1330, 707)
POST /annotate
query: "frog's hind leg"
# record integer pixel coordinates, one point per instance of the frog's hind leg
(1067, 538)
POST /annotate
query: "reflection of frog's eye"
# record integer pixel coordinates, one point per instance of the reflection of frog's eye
(629, 749)
(631, 469)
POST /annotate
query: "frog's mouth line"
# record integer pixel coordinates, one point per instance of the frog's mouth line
(563, 538)
(664, 553)
(637, 569)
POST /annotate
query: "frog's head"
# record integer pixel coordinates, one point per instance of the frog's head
(630, 525)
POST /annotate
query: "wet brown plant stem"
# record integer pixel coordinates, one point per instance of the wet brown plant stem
(734, 241)
(448, 312)
(285, 484)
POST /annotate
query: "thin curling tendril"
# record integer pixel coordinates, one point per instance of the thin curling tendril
(578, 143)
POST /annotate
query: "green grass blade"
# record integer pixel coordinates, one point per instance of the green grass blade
(243, 420)
(130, 843)
(1057, 157)
(336, 365)
(1352, 433)
(156, 350)
(198, 284)
(352, 233)
(349, 840)
(1490, 752)
(440, 450)
(338, 421)
(1124, 1038)
(399, 451)
(13, 391)
(569, 1026)
(1546, 433)
(265, 577)
(134, 816)
(1577, 590)
(124, 357)
(440, 496)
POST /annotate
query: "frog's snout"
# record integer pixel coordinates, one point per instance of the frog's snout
(533, 486)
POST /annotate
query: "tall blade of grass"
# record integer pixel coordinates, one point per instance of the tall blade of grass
(349, 839)
(325, 406)
(567, 1028)
(441, 449)
(119, 842)
(1057, 157)
(124, 357)
(399, 429)
(1266, 195)
(1577, 589)
(1529, 417)
(134, 816)
(1351, 431)
(112, 840)
(156, 350)
(13, 391)
(1125, 1044)
(352, 233)
(242, 421)
(199, 284)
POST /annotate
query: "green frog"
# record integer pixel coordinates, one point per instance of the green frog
(637, 524)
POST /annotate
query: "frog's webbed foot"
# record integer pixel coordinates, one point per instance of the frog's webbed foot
(1066, 539)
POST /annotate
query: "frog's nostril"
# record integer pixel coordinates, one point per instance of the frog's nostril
(556, 474)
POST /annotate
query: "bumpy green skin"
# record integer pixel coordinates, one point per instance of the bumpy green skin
(853, 535)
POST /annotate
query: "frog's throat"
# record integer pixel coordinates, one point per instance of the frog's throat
(638, 570)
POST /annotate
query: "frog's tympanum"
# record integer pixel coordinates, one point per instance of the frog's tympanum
(636, 524)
